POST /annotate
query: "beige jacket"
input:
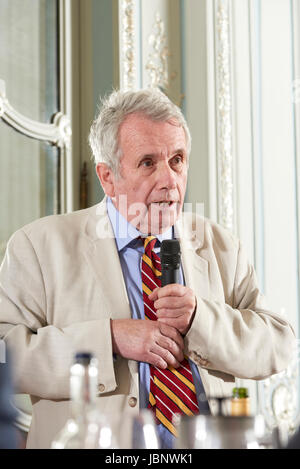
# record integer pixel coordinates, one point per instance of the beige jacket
(61, 283)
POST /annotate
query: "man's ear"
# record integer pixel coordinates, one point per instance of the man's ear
(106, 178)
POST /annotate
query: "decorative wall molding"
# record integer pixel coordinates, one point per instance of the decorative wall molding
(224, 113)
(57, 133)
(127, 44)
(147, 32)
(157, 64)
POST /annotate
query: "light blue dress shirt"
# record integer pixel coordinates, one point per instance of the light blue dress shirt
(131, 250)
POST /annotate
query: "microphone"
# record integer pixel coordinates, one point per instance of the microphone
(170, 256)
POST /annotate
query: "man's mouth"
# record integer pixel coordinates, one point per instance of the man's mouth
(164, 203)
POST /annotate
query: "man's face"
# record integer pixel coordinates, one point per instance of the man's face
(153, 173)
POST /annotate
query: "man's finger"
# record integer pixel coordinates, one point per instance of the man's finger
(171, 346)
(171, 302)
(165, 355)
(174, 289)
(171, 332)
(154, 295)
(156, 360)
(170, 313)
(178, 323)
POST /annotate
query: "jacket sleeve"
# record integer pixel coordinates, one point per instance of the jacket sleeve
(244, 339)
(41, 353)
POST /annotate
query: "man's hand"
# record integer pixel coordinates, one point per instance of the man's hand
(147, 341)
(175, 305)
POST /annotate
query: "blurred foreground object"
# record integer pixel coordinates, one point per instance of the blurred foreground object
(144, 432)
(87, 428)
(219, 432)
(279, 400)
(240, 403)
(8, 432)
(223, 430)
(294, 442)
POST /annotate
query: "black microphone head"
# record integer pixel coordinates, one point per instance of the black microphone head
(170, 252)
(170, 246)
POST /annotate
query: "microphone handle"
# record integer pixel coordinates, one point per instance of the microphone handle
(169, 274)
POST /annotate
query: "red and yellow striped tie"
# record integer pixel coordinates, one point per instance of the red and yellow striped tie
(172, 391)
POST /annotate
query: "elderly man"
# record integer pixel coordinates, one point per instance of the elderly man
(89, 279)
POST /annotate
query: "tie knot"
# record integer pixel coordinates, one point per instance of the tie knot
(149, 243)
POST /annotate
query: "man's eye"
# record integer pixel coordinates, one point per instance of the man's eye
(177, 160)
(147, 163)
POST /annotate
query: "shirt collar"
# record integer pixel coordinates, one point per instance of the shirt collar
(124, 231)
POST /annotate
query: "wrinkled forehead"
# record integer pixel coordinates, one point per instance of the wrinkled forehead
(138, 129)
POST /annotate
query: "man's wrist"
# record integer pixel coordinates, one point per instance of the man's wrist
(192, 318)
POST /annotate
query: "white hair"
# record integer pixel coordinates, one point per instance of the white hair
(152, 103)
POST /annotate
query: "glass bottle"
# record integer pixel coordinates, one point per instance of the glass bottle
(240, 403)
(87, 428)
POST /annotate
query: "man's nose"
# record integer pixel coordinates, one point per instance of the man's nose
(166, 177)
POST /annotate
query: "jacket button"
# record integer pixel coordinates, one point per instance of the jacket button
(132, 401)
(101, 387)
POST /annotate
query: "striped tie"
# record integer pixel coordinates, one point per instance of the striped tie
(172, 391)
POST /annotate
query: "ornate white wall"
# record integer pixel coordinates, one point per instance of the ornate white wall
(226, 64)
(250, 149)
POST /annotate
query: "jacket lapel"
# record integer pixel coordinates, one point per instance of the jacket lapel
(102, 256)
(103, 259)
(195, 267)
